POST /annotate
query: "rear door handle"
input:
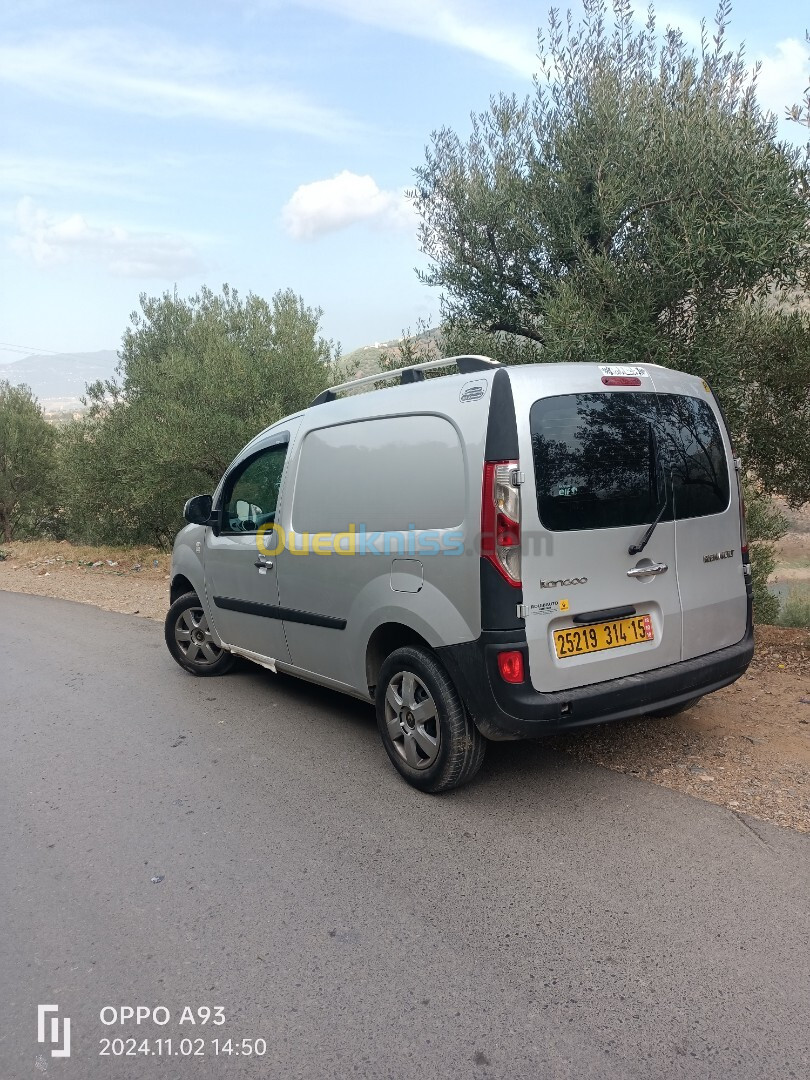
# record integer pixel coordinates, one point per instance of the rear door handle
(263, 563)
(647, 571)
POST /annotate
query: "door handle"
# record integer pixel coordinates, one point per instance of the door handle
(647, 571)
(263, 563)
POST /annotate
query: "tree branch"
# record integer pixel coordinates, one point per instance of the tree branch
(518, 331)
(637, 210)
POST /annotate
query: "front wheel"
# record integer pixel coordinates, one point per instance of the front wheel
(424, 727)
(190, 641)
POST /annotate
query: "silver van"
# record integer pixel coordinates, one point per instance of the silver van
(498, 553)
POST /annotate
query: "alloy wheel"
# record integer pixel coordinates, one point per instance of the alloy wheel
(194, 638)
(412, 720)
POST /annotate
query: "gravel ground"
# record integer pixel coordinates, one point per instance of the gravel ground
(131, 582)
(746, 747)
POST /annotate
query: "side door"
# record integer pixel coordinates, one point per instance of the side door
(241, 581)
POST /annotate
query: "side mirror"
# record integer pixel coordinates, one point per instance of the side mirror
(197, 511)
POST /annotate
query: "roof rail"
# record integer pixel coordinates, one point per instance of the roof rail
(413, 373)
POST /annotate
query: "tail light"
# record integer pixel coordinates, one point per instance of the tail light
(500, 519)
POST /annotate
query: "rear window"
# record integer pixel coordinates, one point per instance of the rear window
(612, 459)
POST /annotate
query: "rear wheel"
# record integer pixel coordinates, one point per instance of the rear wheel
(424, 727)
(191, 641)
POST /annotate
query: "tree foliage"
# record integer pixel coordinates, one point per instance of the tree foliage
(638, 207)
(800, 112)
(197, 378)
(26, 460)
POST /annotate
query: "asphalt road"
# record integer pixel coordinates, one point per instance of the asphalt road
(551, 920)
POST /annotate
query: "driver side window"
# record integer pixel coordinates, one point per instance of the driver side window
(252, 494)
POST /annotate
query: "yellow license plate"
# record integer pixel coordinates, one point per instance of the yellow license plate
(578, 640)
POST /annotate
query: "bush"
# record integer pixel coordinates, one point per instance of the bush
(766, 525)
(796, 608)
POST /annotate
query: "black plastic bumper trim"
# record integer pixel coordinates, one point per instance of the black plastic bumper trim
(504, 710)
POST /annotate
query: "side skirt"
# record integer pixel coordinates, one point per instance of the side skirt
(278, 666)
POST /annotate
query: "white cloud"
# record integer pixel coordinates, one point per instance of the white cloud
(113, 71)
(450, 22)
(784, 76)
(50, 240)
(328, 205)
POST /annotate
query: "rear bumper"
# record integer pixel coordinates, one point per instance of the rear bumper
(507, 711)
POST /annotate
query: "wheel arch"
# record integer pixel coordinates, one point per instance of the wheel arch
(179, 587)
(385, 639)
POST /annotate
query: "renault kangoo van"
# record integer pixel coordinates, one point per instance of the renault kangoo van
(496, 553)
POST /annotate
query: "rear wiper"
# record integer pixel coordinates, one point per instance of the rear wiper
(636, 549)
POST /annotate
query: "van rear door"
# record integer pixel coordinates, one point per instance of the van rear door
(594, 485)
(708, 555)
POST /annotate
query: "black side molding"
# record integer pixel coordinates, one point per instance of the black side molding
(274, 611)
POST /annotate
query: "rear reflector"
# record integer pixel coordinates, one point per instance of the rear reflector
(621, 380)
(510, 665)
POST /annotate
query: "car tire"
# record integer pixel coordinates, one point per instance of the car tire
(190, 640)
(674, 710)
(425, 729)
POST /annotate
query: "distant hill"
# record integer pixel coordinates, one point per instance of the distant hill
(367, 357)
(59, 380)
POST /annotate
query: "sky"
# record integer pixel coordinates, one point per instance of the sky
(147, 146)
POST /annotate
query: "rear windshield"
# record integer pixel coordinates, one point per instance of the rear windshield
(611, 459)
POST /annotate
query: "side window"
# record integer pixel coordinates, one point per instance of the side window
(251, 494)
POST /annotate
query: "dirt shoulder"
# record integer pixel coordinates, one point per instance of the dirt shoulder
(134, 582)
(747, 747)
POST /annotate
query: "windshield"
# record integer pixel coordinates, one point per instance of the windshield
(608, 460)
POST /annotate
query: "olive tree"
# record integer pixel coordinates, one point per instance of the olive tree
(638, 206)
(26, 459)
(197, 378)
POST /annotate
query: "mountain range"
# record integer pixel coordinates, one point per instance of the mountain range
(59, 379)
